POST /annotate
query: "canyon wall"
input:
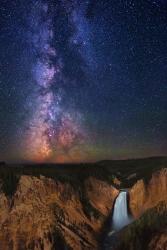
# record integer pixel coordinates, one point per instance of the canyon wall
(44, 214)
(145, 195)
(148, 232)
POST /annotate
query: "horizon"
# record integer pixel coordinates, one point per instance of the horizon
(82, 163)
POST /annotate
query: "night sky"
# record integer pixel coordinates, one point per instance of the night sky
(82, 81)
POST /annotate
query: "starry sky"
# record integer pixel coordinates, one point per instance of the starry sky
(82, 81)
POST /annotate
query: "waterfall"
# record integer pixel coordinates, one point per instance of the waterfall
(120, 218)
(120, 214)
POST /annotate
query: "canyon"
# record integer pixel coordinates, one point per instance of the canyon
(67, 207)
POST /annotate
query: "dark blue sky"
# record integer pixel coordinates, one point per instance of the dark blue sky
(107, 97)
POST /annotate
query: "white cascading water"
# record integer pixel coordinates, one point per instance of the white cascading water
(120, 218)
(120, 214)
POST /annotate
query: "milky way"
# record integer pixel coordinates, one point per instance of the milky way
(82, 80)
(52, 132)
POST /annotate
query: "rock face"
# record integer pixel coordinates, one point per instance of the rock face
(148, 205)
(45, 214)
(101, 195)
(143, 196)
(158, 242)
(148, 232)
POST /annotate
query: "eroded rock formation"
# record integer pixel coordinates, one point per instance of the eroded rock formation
(145, 195)
(148, 232)
(44, 214)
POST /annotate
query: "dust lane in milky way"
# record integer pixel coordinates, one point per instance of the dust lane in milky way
(52, 132)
